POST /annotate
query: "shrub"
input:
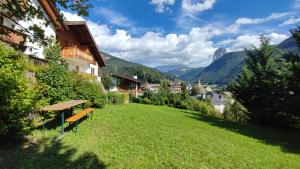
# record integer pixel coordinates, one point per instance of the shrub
(118, 98)
(86, 87)
(16, 98)
(53, 78)
(146, 101)
(202, 107)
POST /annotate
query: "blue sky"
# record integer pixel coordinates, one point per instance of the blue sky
(160, 32)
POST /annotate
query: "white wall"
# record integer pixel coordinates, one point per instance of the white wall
(34, 48)
(84, 67)
(220, 108)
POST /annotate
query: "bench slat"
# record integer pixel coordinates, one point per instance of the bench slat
(79, 115)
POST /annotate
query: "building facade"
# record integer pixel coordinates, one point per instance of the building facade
(122, 83)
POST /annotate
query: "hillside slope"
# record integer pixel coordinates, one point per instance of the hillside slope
(121, 66)
(230, 65)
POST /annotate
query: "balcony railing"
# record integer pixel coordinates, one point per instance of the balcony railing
(75, 53)
(11, 36)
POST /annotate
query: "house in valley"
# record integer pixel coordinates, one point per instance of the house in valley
(175, 86)
(122, 83)
(218, 102)
(80, 49)
(152, 87)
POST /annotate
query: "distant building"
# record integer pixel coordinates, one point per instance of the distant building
(152, 87)
(175, 87)
(218, 102)
(126, 84)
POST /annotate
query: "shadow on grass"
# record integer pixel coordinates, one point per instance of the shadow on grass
(47, 154)
(289, 141)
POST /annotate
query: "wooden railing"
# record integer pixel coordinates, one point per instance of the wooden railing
(12, 36)
(75, 53)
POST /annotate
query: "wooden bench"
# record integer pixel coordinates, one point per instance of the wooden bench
(79, 115)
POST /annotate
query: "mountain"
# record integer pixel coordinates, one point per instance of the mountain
(121, 66)
(219, 53)
(289, 45)
(191, 73)
(222, 70)
(169, 68)
(230, 65)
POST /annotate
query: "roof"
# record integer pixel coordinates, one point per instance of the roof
(54, 14)
(218, 99)
(81, 29)
(125, 77)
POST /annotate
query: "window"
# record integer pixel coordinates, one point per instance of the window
(77, 69)
(92, 71)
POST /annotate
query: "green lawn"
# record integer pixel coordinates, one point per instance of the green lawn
(144, 136)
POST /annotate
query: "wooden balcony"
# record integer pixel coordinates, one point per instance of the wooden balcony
(75, 53)
(12, 36)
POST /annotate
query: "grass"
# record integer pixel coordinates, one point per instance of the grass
(145, 136)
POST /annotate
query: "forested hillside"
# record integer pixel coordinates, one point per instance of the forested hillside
(121, 66)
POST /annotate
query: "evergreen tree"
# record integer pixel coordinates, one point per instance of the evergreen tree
(184, 91)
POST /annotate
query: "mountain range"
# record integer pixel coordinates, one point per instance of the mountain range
(144, 73)
(225, 67)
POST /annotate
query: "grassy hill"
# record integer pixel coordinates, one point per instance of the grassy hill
(121, 66)
(146, 136)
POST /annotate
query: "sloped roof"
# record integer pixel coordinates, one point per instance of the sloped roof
(81, 30)
(125, 77)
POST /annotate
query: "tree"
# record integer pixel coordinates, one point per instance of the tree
(16, 10)
(107, 82)
(16, 98)
(184, 91)
(54, 79)
(195, 90)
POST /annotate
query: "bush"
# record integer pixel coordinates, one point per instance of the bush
(86, 87)
(53, 78)
(118, 98)
(202, 107)
(16, 98)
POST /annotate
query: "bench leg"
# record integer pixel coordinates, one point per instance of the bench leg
(76, 126)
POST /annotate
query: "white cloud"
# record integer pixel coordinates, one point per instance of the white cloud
(290, 21)
(251, 21)
(161, 4)
(194, 48)
(192, 7)
(297, 4)
(250, 40)
(114, 18)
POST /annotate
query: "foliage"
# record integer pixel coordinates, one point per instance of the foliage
(54, 79)
(184, 91)
(86, 87)
(18, 10)
(202, 107)
(269, 86)
(16, 97)
(235, 112)
(107, 82)
(195, 90)
(118, 98)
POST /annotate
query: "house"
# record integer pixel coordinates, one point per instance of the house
(15, 37)
(175, 87)
(152, 87)
(126, 84)
(218, 102)
(80, 49)
(78, 45)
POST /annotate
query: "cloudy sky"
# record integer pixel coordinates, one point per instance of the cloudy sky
(164, 32)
